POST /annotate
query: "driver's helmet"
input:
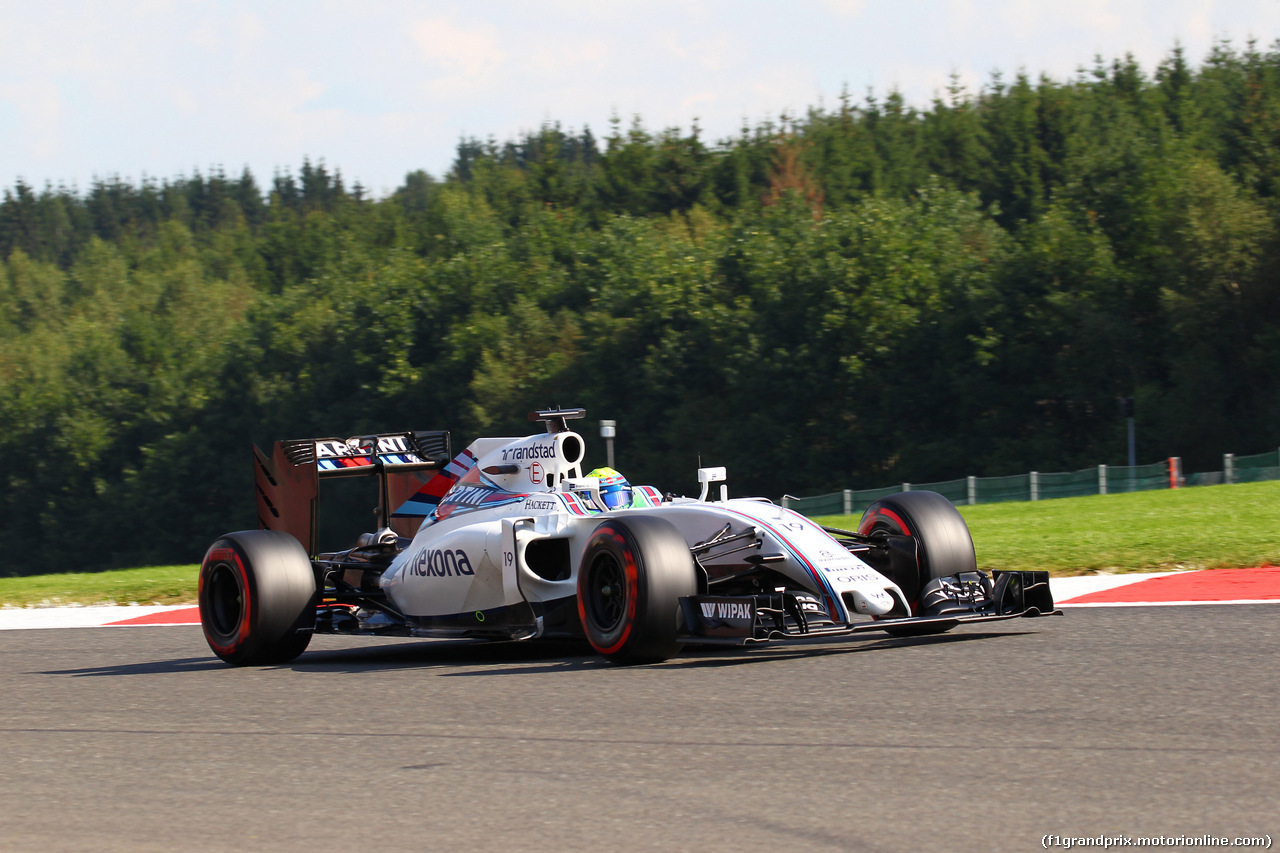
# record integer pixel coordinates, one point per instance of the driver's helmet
(615, 491)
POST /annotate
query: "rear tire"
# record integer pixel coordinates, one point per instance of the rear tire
(257, 598)
(632, 576)
(944, 546)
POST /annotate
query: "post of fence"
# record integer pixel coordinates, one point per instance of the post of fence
(1175, 471)
(1228, 467)
(906, 487)
(848, 501)
(972, 483)
(1035, 485)
(1102, 479)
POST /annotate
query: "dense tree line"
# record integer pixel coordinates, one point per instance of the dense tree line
(864, 294)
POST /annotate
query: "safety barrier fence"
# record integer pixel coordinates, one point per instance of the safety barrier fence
(1039, 486)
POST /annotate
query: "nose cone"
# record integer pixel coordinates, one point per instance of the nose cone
(873, 602)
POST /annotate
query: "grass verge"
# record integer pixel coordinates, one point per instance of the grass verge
(1203, 528)
(1209, 527)
(156, 585)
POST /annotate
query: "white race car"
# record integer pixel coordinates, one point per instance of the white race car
(509, 540)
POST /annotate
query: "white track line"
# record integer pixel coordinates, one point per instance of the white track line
(1169, 603)
(14, 618)
(1065, 590)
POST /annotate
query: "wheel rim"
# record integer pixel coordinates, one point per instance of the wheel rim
(226, 600)
(607, 593)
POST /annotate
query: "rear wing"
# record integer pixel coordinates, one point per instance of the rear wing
(288, 481)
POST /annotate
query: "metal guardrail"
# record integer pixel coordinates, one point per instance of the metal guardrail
(1038, 486)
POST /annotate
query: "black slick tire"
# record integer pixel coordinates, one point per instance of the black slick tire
(633, 573)
(943, 544)
(257, 598)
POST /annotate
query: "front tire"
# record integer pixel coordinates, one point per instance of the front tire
(632, 576)
(944, 546)
(257, 598)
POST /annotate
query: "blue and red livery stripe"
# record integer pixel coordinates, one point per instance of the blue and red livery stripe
(833, 605)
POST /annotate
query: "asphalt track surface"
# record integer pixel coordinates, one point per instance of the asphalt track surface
(1133, 721)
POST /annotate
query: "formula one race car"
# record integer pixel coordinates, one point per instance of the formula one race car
(509, 541)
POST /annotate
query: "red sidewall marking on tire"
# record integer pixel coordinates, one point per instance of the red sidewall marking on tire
(887, 513)
(232, 557)
(632, 572)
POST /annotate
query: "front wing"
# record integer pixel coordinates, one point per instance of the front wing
(749, 619)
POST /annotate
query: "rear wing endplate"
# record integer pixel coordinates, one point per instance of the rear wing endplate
(288, 481)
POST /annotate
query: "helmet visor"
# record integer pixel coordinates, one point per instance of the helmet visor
(616, 497)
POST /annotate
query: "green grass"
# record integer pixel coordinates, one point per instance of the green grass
(1203, 528)
(158, 585)
(1209, 527)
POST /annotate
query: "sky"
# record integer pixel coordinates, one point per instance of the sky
(379, 88)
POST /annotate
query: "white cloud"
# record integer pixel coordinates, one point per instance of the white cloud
(184, 100)
(247, 29)
(561, 59)
(1023, 18)
(468, 56)
(846, 8)
(716, 53)
(207, 34)
(38, 104)
(1100, 16)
